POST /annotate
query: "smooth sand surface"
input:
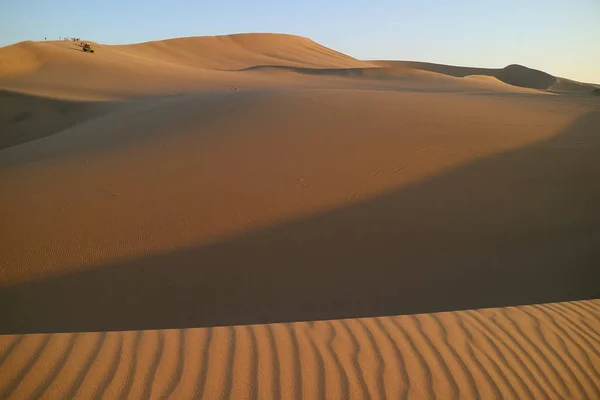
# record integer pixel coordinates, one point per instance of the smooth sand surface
(549, 351)
(260, 178)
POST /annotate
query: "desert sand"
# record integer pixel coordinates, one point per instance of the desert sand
(176, 217)
(534, 352)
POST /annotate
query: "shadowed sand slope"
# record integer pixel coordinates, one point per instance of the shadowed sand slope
(548, 351)
(24, 118)
(427, 216)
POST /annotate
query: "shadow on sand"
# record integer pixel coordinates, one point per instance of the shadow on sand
(24, 117)
(516, 228)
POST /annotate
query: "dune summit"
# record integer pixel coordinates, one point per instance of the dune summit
(57, 68)
(259, 215)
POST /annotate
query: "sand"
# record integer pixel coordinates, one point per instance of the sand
(239, 187)
(549, 351)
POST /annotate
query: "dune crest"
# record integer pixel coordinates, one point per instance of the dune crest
(239, 51)
(59, 69)
(227, 52)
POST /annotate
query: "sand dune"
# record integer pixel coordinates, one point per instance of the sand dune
(549, 351)
(451, 70)
(567, 85)
(233, 52)
(229, 52)
(485, 78)
(513, 74)
(59, 69)
(192, 159)
(254, 182)
(519, 75)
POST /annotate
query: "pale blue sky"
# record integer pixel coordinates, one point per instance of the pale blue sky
(561, 37)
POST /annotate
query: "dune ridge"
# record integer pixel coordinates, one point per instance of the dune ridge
(60, 69)
(549, 351)
(226, 52)
(229, 52)
(514, 74)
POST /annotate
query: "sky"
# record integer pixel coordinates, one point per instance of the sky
(561, 37)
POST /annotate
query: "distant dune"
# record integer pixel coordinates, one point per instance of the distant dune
(568, 85)
(60, 69)
(264, 217)
(439, 68)
(513, 74)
